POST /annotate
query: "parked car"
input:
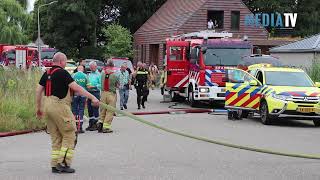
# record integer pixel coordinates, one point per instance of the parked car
(100, 64)
(119, 61)
(261, 59)
(273, 92)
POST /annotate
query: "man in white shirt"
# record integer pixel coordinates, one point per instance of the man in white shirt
(210, 24)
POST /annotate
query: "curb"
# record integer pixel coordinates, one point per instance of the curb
(15, 133)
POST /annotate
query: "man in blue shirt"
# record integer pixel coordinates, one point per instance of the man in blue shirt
(125, 85)
(94, 87)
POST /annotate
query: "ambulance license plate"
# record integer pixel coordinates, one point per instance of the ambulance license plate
(306, 109)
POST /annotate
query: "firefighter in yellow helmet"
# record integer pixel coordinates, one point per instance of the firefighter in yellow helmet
(57, 84)
(109, 82)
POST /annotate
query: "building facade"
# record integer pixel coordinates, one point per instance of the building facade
(300, 53)
(185, 16)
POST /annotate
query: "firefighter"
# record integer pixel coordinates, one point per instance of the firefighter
(110, 82)
(141, 85)
(57, 84)
(163, 79)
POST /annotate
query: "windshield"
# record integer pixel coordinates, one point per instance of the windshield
(226, 57)
(119, 62)
(47, 54)
(11, 55)
(298, 79)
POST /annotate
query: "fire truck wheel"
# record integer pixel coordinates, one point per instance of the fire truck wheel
(191, 100)
(174, 96)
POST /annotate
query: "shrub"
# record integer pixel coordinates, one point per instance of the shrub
(314, 70)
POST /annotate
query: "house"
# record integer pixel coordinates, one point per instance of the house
(185, 16)
(299, 53)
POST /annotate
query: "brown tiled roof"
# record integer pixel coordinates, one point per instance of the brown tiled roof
(172, 15)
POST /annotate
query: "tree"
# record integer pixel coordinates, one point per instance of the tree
(132, 14)
(23, 3)
(14, 22)
(72, 26)
(308, 22)
(119, 41)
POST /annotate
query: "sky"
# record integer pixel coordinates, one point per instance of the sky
(30, 5)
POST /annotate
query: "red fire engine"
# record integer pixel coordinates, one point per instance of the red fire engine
(196, 63)
(8, 55)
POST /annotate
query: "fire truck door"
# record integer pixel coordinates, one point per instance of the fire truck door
(21, 58)
(243, 91)
(177, 64)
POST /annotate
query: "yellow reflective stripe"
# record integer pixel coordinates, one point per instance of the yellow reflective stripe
(228, 101)
(142, 72)
(63, 149)
(253, 103)
(106, 125)
(70, 153)
(246, 98)
(243, 100)
(55, 154)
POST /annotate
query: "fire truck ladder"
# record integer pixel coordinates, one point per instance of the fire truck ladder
(207, 34)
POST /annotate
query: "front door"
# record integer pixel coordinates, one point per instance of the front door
(243, 91)
(177, 64)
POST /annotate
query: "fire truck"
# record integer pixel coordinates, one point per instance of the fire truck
(196, 64)
(47, 56)
(9, 54)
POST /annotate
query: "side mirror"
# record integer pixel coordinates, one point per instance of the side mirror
(253, 83)
(317, 84)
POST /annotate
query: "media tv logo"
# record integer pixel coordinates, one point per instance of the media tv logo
(285, 20)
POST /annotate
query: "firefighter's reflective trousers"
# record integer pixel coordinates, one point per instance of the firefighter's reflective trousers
(62, 128)
(109, 98)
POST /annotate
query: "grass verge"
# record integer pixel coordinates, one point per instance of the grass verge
(17, 100)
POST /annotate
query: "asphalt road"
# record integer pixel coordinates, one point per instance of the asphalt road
(136, 151)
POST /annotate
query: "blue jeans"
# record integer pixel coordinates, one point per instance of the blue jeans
(78, 105)
(124, 96)
(93, 111)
